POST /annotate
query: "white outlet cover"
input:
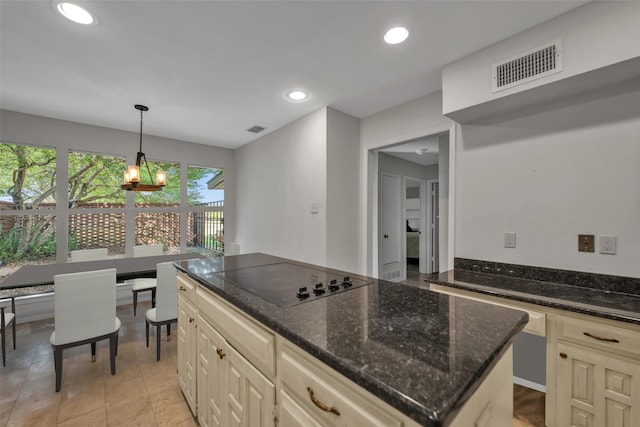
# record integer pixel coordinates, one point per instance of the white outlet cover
(509, 240)
(607, 244)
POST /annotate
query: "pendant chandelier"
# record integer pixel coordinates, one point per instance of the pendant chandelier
(132, 174)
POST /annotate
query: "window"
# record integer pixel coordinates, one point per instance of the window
(205, 185)
(26, 239)
(96, 231)
(205, 225)
(170, 194)
(27, 191)
(153, 228)
(94, 180)
(27, 177)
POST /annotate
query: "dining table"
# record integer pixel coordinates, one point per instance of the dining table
(126, 268)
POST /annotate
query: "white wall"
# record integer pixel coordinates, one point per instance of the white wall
(395, 165)
(549, 176)
(278, 177)
(64, 136)
(593, 36)
(343, 213)
(413, 119)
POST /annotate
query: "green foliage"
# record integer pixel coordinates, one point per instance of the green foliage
(38, 248)
(95, 179)
(28, 174)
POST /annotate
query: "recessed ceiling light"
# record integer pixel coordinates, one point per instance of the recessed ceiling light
(396, 35)
(75, 13)
(297, 95)
(421, 151)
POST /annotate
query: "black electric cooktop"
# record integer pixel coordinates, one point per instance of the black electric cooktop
(286, 284)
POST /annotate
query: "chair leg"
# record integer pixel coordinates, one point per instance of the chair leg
(57, 361)
(93, 352)
(146, 327)
(168, 332)
(113, 351)
(153, 298)
(158, 339)
(14, 333)
(117, 339)
(135, 302)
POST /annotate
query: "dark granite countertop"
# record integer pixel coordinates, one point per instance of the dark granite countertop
(618, 302)
(422, 352)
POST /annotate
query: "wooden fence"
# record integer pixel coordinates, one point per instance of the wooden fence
(107, 230)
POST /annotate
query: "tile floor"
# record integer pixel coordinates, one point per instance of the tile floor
(142, 393)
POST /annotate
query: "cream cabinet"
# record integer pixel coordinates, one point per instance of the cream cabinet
(220, 351)
(593, 364)
(235, 372)
(187, 342)
(312, 394)
(317, 395)
(598, 374)
(231, 391)
(211, 374)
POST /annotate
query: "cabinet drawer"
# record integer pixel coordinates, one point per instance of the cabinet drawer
(601, 335)
(251, 339)
(186, 287)
(301, 373)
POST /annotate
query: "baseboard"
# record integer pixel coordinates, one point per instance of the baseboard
(529, 384)
(39, 307)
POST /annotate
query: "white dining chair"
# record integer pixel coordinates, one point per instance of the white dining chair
(166, 309)
(144, 284)
(7, 319)
(89, 255)
(84, 313)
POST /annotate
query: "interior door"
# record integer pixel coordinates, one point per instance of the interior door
(390, 204)
(435, 226)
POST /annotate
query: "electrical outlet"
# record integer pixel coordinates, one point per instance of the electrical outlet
(315, 208)
(607, 244)
(586, 242)
(509, 240)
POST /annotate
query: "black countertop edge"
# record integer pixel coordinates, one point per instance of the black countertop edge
(394, 398)
(546, 301)
(629, 285)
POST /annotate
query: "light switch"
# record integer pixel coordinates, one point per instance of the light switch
(509, 240)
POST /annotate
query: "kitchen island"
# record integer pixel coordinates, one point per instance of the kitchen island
(375, 353)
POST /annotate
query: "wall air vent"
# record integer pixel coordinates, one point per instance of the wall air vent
(256, 129)
(531, 65)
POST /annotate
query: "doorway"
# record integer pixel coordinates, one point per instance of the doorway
(417, 236)
(417, 248)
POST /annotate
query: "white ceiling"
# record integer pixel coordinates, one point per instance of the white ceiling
(429, 146)
(209, 70)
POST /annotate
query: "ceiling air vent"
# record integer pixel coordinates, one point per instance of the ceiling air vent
(531, 65)
(255, 129)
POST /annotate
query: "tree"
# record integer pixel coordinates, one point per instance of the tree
(28, 180)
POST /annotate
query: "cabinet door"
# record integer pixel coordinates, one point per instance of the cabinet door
(596, 389)
(211, 376)
(187, 351)
(250, 395)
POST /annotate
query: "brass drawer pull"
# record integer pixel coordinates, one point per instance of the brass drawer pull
(182, 288)
(321, 405)
(563, 355)
(595, 337)
(221, 353)
(191, 319)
